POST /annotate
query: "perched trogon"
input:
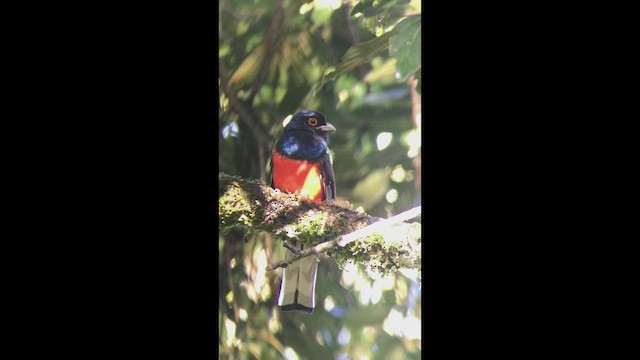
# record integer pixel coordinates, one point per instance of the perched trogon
(300, 162)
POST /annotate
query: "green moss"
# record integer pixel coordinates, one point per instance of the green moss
(234, 208)
(250, 205)
(311, 228)
(375, 254)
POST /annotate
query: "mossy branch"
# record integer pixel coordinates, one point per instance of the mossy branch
(251, 205)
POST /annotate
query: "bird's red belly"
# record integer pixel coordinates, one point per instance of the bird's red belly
(297, 176)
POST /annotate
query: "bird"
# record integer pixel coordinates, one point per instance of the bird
(301, 162)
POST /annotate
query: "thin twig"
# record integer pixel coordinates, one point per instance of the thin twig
(272, 35)
(355, 40)
(292, 248)
(245, 114)
(344, 240)
(247, 117)
(262, 163)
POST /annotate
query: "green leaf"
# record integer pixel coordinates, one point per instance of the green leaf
(405, 45)
(366, 316)
(248, 69)
(369, 8)
(361, 6)
(321, 13)
(357, 55)
(371, 189)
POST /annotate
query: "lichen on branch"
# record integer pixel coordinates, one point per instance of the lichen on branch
(251, 205)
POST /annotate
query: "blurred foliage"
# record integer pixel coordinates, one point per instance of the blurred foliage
(357, 62)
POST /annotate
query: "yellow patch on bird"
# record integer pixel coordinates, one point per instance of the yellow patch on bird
(312, 186)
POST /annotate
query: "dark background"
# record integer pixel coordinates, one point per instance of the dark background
(378, 98)
(118, 162)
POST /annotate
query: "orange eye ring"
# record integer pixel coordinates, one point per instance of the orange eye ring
(312, 121)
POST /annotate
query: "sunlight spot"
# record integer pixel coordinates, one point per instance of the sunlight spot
(387, 282)
(274, 323)
(349, 275)
(398, 174)
(329, 304)
(412, 329)
(413, 152)
(286, 120)
(412, 298)
(334, 4)
(365, 291)
(410, 273)
(229, 297)
(305, 8)
(230, 326)
(250, 289)
(416, 5)
(360, 209)
(242, 314)
(290, 354)
(225, 104)
(379, 285)
(392, 196)
(230, 130)
(261, 273)
(414, 140)
(351, 267)
(344, 336)
(384, 140)
(393, 323)
(343, 95)
(376, 292)
(327, 337)
(374, 273)
(339, 312)
(398, 325)
(233, 263)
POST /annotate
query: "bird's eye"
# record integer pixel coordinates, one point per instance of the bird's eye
(312, 121)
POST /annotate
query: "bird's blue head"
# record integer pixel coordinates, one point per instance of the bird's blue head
(310, 121)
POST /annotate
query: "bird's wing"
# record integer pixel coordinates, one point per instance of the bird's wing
(270, 175)
(328, 178)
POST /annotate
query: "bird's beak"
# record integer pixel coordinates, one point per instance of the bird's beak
(326, 127)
